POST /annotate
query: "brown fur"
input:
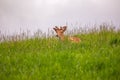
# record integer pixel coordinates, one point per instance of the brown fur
(60, 33)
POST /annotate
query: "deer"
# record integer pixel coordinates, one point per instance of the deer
(60, 33)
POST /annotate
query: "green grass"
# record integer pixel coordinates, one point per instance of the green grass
(97, 57)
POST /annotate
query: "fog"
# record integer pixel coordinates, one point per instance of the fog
(16, 15)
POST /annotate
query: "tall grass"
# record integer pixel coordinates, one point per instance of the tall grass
(97, 57)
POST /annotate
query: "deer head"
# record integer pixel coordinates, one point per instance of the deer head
(60, 31)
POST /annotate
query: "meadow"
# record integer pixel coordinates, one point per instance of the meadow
(96, 57)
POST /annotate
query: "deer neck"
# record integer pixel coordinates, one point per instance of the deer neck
(61, 37)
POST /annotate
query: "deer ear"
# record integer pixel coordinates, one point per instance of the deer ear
(54, 29)
(64, 28)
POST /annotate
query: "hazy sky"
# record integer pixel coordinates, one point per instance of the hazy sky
(44, 14)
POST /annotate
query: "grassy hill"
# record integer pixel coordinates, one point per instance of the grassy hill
(96, 57)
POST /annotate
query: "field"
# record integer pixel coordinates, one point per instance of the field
(96, 57)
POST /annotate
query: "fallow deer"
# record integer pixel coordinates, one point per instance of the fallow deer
(60, 33)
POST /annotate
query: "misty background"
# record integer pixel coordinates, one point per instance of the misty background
(16, 15)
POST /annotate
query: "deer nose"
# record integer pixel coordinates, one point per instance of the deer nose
(56, 35)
